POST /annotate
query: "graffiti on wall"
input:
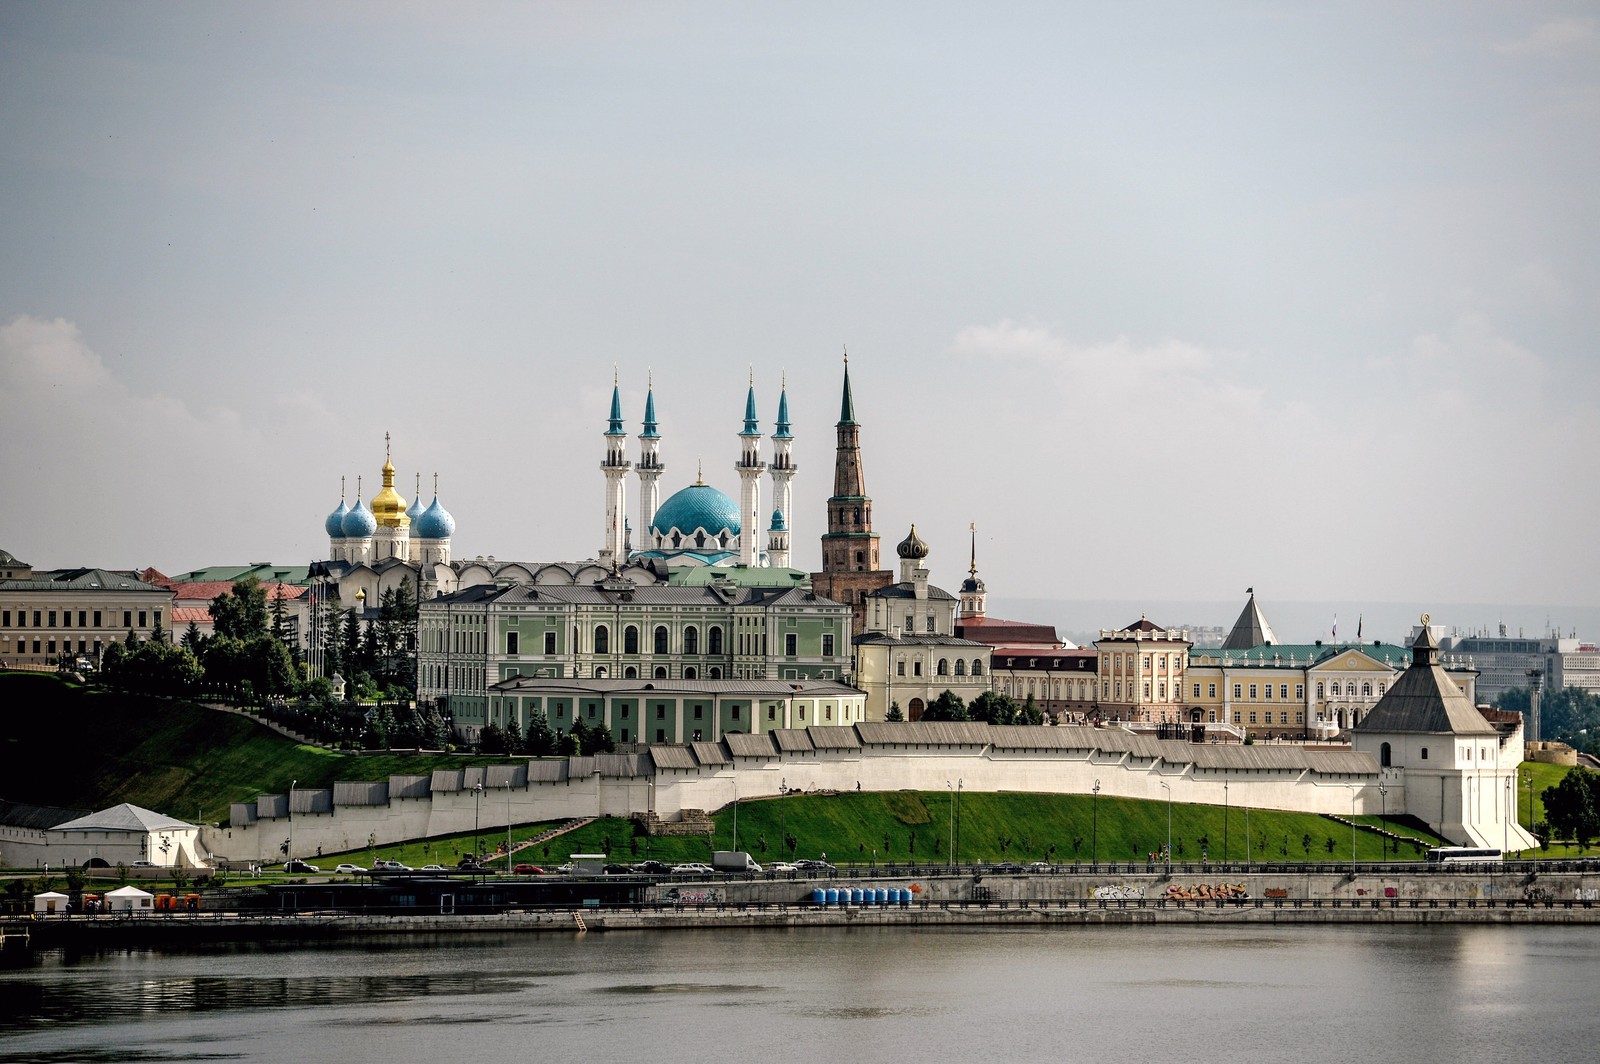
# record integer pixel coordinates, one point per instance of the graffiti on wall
(1207, 892)
(1118, 892)
(694, 895)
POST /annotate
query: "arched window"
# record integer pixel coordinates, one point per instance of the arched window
(1383, 755)
(716, 672)
(602, 640)
(961, 667)
(1335, 689)
(630, 673)
(691, 640)
(714, 640)
(630, 640)
(1319, 689)
(943, 668)
(661, 639)
(977, 666)
(1366, 690)
(599, 672)
(661, 672)
(689, 672)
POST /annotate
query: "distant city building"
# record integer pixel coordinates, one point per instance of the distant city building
(910, 654)
(49, 614)
(1504, 661)
(722, 629)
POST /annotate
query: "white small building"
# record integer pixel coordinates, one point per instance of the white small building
(122, 834)
(51, 901)
(130, 899)
(1453, 768)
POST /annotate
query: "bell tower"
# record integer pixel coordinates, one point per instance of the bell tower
(850, 548)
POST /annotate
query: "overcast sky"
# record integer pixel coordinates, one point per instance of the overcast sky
(1170, 299)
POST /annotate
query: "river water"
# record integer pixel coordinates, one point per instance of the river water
(1191, 995)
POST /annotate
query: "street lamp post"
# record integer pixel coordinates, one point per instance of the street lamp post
(950, 858)
(1094, 821)
(1383, 815)
(1168, 789)
(736, 809)
(958, 819)
(1352, 827)
(1247, 860)
(477, 794)
(290, 855)
(508, 825)
(1225, 855)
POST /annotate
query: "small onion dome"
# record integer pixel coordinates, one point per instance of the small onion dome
(359, 522)
(778, 523)
(971, 584)
(913, 546)
(435, 522)
(414, 513)
(334, 525)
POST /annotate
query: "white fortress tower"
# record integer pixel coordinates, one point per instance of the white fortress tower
(783, 470)
(650, 468)
(750, 467)
(615, 466)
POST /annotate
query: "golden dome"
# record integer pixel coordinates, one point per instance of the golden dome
(387, 506)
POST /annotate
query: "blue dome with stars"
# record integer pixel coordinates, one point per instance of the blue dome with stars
(359, 522)
(435, 522)
(334, 525)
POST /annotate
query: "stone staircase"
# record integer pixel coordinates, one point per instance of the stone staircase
(543, 836)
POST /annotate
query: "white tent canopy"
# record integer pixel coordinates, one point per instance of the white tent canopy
(129, 899)
(50, 901)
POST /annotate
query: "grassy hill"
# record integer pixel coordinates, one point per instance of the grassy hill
(81, 748)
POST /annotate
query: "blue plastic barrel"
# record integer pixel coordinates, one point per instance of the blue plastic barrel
(833, 896)
(855, 895)
(894, 895)
(819, 896)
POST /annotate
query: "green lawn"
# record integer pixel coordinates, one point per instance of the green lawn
(916, 826)
(83, 748)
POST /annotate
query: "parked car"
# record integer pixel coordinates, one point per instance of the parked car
(782, 866)
(300, 867)
(651, 868)
(433, 868)
(390, 866)
(1006, 868)
(141, 864)
(693, 868)
(1041, 866)
(618, 870)
(350, 870)
(528, 870)
(806, 864)
(564, 869)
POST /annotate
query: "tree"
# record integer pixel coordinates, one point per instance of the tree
(242, 611)
(948, 706)
(514, 743)
(1030, 713)
(894, 713)
(1573, 806)
(192, 640)
(280, 618)
(491, 739)
(993, 708)
(541, 738)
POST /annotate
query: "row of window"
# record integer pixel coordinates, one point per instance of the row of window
(943, 668)
(1283, 717)
(48, 646)
(47, 619)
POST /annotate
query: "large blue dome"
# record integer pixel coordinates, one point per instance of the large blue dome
(695, 507)
(435, 522)
(414, 512)
(359, 522)
(334, 525)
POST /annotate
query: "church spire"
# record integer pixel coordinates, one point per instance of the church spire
(847, 406)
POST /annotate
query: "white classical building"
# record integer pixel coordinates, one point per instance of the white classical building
(122, 834)
(1454, 768)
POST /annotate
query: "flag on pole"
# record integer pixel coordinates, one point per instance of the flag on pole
(1336, 628)
(1359, 621)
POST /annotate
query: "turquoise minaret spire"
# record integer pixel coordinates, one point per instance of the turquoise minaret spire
(616, 411)
(615, 466)
(750, 467)
(650, 431)
(650, 468)
(783, 432)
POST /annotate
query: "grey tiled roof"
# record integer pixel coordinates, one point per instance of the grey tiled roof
(1423, 699)
(124, 817)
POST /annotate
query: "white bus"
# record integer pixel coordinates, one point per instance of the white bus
(1462, 855)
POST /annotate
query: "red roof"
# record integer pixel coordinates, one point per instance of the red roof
(995, 632)
(154, 576)
(185, 614)
(207, 590)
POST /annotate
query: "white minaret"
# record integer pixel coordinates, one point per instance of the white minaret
(750, 467)
(615, 466)
(783, 470)
(650, 469)
(973, 595)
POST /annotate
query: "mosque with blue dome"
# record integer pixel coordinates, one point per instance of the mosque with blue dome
(698, 525)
